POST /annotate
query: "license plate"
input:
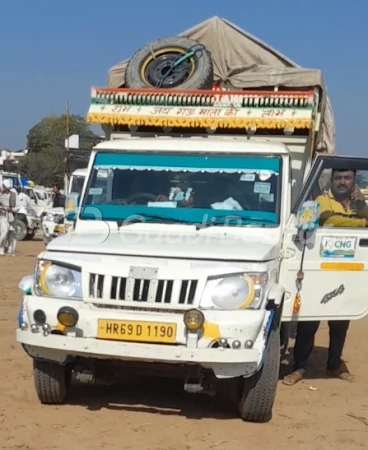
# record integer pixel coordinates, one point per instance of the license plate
(130, 330)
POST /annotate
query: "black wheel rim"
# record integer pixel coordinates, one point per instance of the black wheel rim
(161, 73)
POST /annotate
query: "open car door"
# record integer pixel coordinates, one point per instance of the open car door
(332, 262)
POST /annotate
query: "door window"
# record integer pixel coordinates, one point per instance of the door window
(343, 197)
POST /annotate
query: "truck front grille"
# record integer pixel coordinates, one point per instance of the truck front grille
(105, 287)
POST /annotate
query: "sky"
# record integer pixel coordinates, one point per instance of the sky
(52, 52)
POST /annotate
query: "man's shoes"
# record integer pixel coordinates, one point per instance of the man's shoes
(292, 378)
(342, 373)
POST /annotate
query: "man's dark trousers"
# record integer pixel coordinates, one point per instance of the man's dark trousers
(304, 343)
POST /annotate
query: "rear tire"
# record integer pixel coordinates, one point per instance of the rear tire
(52, 382)
(151, 62)
(259, 391)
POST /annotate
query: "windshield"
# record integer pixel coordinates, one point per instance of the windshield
(77, 184)
(13, 179)
(188, 188)
(31, 194)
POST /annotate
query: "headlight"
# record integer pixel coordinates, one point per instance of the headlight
(56, 218)
(55, 280)
(235, 292)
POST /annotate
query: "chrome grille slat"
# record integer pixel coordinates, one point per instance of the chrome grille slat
(176, 290)
(97, 286)
(150, 291)
(118, 287)
(129, 289)
(107, 284)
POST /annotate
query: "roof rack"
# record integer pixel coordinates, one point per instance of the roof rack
(246, 109)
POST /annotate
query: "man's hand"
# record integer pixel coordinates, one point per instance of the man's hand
(357, 195)
(358, 198)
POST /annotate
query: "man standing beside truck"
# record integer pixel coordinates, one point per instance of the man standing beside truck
(342, 206)
(59, 198)
(8, 208)
(24, 199)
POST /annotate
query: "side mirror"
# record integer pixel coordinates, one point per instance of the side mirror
(71, 206)
(26, 284)
(308, 216)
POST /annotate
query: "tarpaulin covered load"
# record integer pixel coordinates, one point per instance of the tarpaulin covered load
(241, 60)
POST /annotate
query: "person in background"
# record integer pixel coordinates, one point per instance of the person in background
(342, 206)
(12, 235)
(59, 198)
(24, 199)
(8, 208)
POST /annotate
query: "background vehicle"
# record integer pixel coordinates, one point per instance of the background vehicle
(39, 204)
(44, 195)
(28, 223)
(54, 223)
(13, 176)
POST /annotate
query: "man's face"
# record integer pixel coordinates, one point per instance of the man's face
(55, 190)
(343, 183)
(4, 188)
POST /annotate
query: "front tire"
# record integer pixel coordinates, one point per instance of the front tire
(52, 382)
(21, 230)
(259, 391)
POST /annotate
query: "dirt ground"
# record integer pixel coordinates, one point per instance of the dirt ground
(317, 414)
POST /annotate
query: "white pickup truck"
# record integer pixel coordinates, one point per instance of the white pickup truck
(188, 251)
(54, 223)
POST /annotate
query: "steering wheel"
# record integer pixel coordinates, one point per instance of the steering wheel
(140, 196)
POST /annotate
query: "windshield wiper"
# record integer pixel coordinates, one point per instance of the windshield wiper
(139, 218)
(222, 220)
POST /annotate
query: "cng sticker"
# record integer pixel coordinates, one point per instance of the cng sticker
(337, 247)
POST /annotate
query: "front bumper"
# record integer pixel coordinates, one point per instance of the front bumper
(48, 229)
(82, 341)
(34, 223)
(50, 233)
(224, 362)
